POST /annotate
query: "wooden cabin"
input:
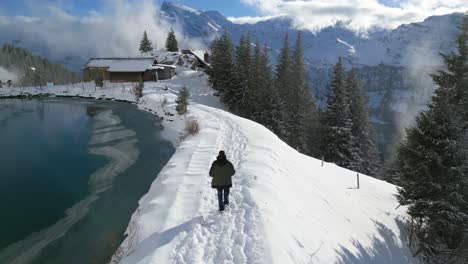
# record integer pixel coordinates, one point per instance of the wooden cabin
(127, 69)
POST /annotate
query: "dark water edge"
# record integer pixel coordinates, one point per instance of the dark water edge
(96, 236)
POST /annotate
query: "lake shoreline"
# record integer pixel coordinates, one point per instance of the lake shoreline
(170, 131)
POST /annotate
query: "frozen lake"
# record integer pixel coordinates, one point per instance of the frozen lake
(72, 172)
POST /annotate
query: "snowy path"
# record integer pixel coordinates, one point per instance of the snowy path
(199, 233)
(230, 237)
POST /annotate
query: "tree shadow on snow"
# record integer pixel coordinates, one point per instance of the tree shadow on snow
(385, 248)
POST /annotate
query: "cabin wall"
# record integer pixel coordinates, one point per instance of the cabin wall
(150, 76)
(167, 73)
(90, 74)
(126, 76)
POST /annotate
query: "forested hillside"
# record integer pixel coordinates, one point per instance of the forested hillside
(30, 69)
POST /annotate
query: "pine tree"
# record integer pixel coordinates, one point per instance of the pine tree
(145, 44)
(262, 90)
(256, 86)
(283, 82)
(241, 97)
(171, 42)
(182, 101)
(303, 119)
(20, 61)
(366, 157)
(270, 112)
(339, 140)
(222, 75)
(433, 164)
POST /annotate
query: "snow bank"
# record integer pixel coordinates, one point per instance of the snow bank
(285, 207)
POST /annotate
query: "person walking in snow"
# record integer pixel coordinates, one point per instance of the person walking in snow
(222, 171)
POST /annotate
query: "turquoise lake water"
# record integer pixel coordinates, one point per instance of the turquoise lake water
(72, 172)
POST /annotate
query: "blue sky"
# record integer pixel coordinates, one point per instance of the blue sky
(82, 7)
(314, 15)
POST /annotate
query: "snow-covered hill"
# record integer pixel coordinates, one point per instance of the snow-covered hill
(285, 207)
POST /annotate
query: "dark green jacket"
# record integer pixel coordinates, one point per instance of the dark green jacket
(221, 171)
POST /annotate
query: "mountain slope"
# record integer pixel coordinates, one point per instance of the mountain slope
(285, 207)
(18, 62)
(407, 45)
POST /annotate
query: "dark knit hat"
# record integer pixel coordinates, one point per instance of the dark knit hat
(221, 155)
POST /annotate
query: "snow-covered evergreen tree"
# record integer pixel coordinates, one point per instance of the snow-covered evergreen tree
(303, 112)
(242, 96)
(338, 138)
(283, 84)
(182, 101)
(171, 42)
(263, 93)
(222, 75)
(366, 156)
(433, 164)
(257, 83)
(145, 44)
(272, 101)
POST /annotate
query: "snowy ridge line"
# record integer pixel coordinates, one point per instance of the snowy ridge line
(285, 207)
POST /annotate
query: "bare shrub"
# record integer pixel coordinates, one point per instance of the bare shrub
(192, 127)
(138, 90)
(164, 102)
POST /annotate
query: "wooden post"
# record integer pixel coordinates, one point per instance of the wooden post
(357, 180)
(322, 161)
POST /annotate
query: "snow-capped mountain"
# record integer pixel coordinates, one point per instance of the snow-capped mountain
(393, 65)
(408, 45)
(194, 23)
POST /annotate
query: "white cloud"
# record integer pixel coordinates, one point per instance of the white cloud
(357, 15)
(248, 19)
(113, 31)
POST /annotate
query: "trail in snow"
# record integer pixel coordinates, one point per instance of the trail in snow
(231, 236)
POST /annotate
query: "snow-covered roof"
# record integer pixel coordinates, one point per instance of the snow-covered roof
(122, 64)
(166, 66)
(155, 67)
(200, 54)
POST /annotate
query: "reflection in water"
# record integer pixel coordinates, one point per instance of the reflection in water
(109, 137)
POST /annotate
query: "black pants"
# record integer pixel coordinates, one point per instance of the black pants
(223, 193)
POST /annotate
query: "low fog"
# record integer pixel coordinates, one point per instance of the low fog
(6, 75)
(116, 31)
(409, 103)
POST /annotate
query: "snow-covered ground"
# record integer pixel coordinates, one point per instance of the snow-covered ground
(285, 207)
